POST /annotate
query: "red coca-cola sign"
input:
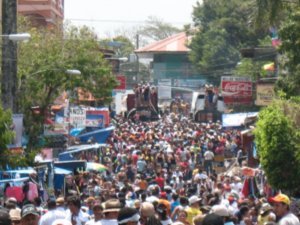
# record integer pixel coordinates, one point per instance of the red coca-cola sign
(236, 90)
(121, 83)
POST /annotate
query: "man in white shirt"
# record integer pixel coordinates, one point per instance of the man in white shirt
(97, 212)
(111, 212)
(52, 214)
(208, 158)
(60, 204)
(141, 165)
(74, 214)
(282, 210)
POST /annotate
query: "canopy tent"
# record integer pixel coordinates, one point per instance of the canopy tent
(14, 181)
(95, 166)
(61, 171)
(20, 173)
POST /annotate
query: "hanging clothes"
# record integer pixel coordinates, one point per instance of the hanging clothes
(32, 191)
(245, 189)
(15, 192)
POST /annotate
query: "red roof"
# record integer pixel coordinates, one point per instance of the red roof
(175, 43)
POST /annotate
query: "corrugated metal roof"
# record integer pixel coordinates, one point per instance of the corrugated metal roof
(175, 43)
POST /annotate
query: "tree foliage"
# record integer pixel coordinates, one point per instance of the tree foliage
(278, 140)
(289, 82)
(223, 27)
(43, 62)
(122, 45)
(273, 12)
(156, 29)
(6, 133)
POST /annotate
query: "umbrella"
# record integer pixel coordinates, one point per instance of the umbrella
(95, 166)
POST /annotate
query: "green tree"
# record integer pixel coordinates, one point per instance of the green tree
(289, 33)
(122, 45)
(42, 65)
(223, 27)
(6, 134)
(156, 29)
(278, 141)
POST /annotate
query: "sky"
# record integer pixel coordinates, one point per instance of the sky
(107, 17)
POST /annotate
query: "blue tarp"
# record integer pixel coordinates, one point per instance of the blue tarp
(67, 155)
(59, 176)
(61, 171)
(98, 135)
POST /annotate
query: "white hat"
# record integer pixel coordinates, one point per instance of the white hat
(220, 210)
(177, 223)
(194, 199)
(61, 222)
(264, 208)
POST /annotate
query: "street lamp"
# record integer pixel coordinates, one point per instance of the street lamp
(69, 72)
(17, 37)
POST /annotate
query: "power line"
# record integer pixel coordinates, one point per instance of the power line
(120, 21)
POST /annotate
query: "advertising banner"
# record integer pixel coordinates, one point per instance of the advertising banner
(264, 94)
(77, 117)
(18, 130)
(97, 117)
(94, 119)
(56, 128)
(189, 83)
(165, 89)
(236, 90)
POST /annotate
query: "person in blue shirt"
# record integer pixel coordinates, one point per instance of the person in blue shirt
(175, 202)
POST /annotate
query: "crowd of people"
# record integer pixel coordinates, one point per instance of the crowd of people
(159, 173)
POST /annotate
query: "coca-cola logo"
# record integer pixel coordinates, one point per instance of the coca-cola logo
(237, 87)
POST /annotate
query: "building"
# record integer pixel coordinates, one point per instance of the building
(41, 12)
(170, 62)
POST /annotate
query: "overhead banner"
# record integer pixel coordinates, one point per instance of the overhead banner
(189, 83)
(78, 117)
(236, 90)
(264, 94)
(165, 89)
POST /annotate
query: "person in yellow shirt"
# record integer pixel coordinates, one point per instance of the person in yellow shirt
(193, 209)
(266, 214)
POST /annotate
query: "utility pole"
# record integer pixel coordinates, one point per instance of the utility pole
(9, 55)
(137, 59)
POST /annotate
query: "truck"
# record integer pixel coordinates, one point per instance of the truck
(140, 108)
(207, 105)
